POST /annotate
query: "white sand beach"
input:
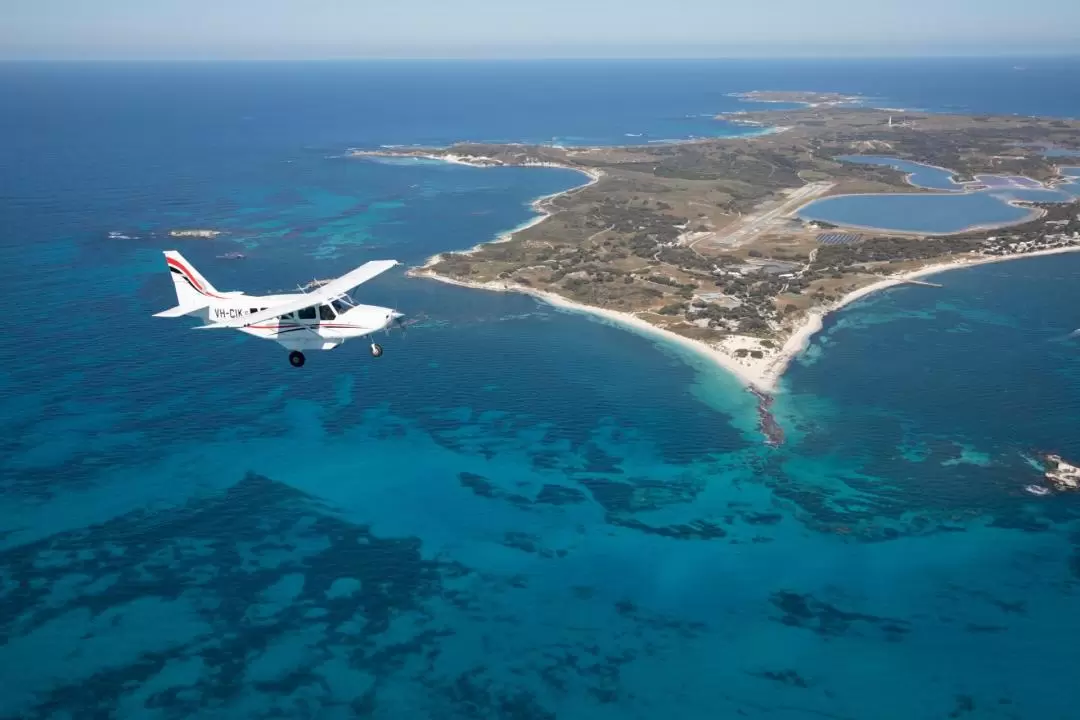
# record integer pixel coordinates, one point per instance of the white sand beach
(760, 373)
(732, 352)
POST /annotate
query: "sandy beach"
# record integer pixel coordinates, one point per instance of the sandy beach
(764, 373)
(748, 374)
(732, 352)
(773, 367)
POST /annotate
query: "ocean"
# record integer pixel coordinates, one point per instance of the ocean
(515, 512)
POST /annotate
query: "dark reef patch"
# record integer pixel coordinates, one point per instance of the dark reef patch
(964, 704)
(254, 578)
(785, 677)
(805, 611)
(693, 530)
(472, 696)
(483, 487)
(640, 494)
(559, 495)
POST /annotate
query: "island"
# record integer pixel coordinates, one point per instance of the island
(703, 242)
(799, 97)
(1061, 474)
(195, 233)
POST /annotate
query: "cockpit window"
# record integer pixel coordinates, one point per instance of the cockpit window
(341, 305)
(307, 313)
(326, 313)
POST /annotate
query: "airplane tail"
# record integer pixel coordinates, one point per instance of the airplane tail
(193, 291)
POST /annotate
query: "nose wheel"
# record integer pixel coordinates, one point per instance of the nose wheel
(376, 349)
(296, 358)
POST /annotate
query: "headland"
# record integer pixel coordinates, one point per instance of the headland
(701, 242)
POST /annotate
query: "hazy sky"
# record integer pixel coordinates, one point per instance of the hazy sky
(315, 29)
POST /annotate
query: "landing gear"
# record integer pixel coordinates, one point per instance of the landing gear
(296, 358)
(376, 349)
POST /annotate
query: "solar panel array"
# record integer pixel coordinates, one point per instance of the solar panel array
(838, 238)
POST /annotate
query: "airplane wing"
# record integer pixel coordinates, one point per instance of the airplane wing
(323, 294)
(345, 283)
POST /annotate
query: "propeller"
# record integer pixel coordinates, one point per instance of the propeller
(397, 322)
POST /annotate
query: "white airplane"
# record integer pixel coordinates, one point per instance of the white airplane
(318, 320)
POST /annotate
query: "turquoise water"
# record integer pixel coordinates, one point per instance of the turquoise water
(931, 213)
(515, 512)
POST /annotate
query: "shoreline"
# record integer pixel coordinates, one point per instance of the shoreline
(538, 206)
(1034, 213)
(761, 374)
(814, 321)
(744, 374)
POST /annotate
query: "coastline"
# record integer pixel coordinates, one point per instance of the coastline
(747, 375)
(540, 205)
(732, 352)
(814, 320)
(761, 374)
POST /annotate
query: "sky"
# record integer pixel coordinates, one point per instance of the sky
(338, 29)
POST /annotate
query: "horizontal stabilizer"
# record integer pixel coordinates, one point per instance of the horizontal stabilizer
(211, 326)
(180, 310)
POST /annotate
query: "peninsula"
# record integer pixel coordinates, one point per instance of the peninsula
(702, 241)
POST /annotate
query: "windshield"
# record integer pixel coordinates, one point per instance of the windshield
(342, 304)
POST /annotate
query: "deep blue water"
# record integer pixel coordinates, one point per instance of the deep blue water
(515, 512)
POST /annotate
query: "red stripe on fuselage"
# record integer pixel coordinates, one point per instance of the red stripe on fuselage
(313, 326)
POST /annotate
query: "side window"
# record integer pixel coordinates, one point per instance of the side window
(307, 313)
(326, 313)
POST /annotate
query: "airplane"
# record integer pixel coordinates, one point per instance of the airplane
(317, 320)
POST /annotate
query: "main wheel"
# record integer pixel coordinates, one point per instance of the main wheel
(296, 358)
(376, 349)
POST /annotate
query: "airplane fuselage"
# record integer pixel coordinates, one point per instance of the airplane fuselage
(319, 327)
(319, 320)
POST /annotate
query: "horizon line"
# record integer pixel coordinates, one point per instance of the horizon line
(552, 58)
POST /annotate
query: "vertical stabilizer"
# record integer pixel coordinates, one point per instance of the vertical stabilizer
(193, 291)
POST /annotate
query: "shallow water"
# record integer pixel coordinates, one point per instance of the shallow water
(515, 511)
